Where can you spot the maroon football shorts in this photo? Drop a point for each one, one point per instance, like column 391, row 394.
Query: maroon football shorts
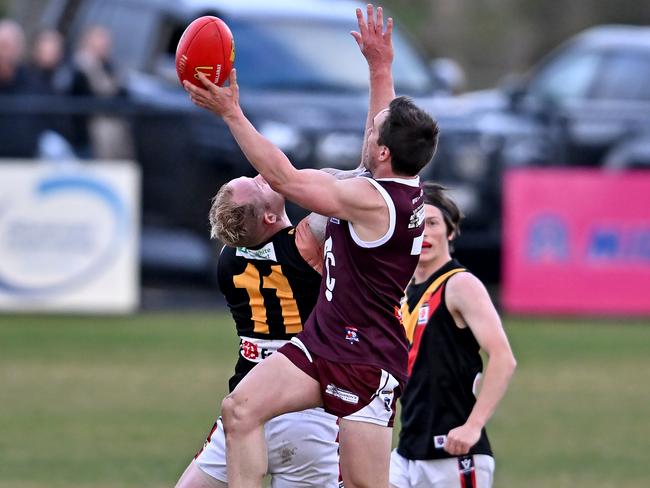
column 359, row 392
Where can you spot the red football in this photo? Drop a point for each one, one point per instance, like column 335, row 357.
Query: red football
column 205, row 47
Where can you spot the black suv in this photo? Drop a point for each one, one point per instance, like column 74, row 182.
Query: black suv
column 586, row 104
column 589, row 101
column 303, row 85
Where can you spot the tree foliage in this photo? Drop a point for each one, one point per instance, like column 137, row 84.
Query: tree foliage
column 491, row 38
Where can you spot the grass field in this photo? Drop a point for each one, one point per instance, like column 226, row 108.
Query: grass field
column 125, row 402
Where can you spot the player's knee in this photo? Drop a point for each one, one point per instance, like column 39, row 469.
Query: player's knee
column 236, row 415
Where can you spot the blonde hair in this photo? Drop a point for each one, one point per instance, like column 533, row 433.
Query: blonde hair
column 232, row 223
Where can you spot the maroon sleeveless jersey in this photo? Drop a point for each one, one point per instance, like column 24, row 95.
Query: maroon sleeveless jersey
column 356, row 319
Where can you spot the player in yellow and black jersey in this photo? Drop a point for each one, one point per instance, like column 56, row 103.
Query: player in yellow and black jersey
column 269, row 273
column 270, row 290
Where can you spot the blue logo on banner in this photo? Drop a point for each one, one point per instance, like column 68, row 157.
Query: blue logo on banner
column 548, row 240
column 611, row 244
column 79, row 246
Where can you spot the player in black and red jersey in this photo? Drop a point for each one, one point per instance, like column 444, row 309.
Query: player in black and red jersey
column 351, row 358
column 449, row 317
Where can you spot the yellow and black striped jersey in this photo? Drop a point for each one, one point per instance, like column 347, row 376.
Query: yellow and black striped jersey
column 270, row 289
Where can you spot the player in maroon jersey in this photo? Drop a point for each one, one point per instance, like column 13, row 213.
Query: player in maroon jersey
column 449, row 318
column 351, row 358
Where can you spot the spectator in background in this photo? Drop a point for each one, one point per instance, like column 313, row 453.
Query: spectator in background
column 100, row 136
column 49, row 78
column 47, row 62
column 18, row 131
column 12, row 48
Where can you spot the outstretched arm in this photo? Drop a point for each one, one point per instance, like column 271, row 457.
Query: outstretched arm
column 355, row 200
column 469, row 302
column 376, row 45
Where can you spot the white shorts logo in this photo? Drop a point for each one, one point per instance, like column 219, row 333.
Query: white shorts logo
column 346, row 396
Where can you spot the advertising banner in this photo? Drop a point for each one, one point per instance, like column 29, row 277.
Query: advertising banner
column 576, row 241
column 69, row 237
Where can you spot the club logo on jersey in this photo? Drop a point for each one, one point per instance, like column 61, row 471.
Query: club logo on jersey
column 252, row 352
column 266, row 253
column 417, row 217
column 249, row 351
column 346, row 396
column 423, row 314
column 439, row 441
column 351, row 335
column 334, row 220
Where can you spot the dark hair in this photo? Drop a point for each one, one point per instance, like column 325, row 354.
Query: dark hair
column 411, row 135
column 436, row 195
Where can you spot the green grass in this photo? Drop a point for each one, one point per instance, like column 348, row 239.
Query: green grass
column 125, row 402
column 110, row 402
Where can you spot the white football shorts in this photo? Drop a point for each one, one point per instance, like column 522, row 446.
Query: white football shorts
column 458, row 472
column 302, row 450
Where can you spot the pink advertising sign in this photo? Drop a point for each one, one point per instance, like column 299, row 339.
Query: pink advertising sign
column 577, row 242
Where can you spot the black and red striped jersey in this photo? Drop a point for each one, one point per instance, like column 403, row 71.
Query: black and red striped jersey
column 444, row 368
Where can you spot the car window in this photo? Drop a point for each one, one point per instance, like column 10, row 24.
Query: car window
column 568, row 77
column 289, row 54
column 315, row 55
column 625, row 76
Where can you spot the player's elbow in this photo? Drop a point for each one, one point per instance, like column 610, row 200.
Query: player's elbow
column 509, row 364
column 282, row 180
column 505, row 361
column 277, row 180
